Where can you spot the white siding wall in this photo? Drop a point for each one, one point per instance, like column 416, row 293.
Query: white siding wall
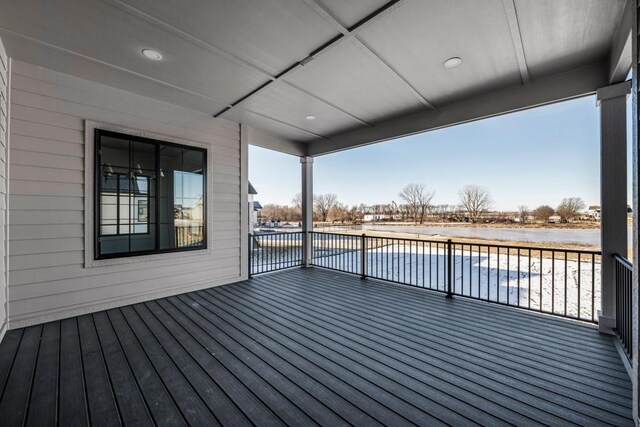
column 4, row 129
column 47, row 276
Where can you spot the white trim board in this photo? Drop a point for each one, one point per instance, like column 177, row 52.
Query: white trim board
column 89, row 181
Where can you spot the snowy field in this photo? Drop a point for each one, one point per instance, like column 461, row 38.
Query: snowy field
column 565, row 287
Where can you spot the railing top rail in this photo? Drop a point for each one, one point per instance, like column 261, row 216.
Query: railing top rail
column 278, row 233
column 338, row 234
column 455, row 242
column 622, row 260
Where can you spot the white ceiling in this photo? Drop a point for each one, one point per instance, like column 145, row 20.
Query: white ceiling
column 365, row 61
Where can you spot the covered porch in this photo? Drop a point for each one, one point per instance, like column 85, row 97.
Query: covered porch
column 313, row 347
column 126, row 298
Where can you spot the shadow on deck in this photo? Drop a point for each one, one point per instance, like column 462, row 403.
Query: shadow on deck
column 311, row 346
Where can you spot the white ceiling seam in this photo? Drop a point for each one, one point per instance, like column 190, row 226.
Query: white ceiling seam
column 330, row 104
column 321, row 9
column 516, row 36
column 288, row 124
column 323, row 49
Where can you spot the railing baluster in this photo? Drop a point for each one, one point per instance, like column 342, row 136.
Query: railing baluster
column 470, row 270
column 479, row 275
column 498, row 274
column 593, row 289
column 579, row 288
column 529, row 285
column 508, row 276
column 449, row 268
column 363, row 255
column 623, row 282
column 541, row 274
column 553, row 281
column 488, row 273
column 518, row 282
column 566, row 297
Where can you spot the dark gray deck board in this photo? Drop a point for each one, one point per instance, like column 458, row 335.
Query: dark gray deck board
column 13, row 406
column 312, row 347
column 72, row 398
column 43, row 403
column 103, row 409
column 9, row 347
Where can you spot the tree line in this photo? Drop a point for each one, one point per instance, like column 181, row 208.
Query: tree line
column 474, row 205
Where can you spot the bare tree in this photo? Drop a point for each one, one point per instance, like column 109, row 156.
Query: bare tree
column 339, row 212
column 418, row 200
column 297, row 200
column 570, row 208
column 523, row 213
column 323, row 203
column 475, row 200
column 274, row 212
column 543, row 213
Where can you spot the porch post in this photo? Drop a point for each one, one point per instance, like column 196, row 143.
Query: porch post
column 613, row 193
column 306, row 163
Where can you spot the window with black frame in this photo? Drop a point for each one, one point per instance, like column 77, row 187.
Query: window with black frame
column 150, row 196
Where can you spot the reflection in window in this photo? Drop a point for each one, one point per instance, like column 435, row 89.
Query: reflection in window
column 181, row 198
column 130, row 172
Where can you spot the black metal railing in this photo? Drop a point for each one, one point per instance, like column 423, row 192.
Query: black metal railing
column 624, row 307
column 561, row 282
column 274, row 251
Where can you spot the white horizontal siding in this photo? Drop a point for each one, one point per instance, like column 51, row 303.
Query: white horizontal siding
column 47, row 274
column 4, row 138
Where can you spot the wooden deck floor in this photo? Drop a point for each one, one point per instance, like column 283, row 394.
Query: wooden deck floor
column 306, row 347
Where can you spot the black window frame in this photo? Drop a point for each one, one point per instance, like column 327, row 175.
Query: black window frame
column 98, row 134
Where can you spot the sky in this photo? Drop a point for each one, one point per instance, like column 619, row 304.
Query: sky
column 533, row 157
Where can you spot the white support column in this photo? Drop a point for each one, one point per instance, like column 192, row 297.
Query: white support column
column 613, row 193
column 306, row 163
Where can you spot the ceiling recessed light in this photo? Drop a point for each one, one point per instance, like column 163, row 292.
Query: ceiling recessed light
column 310, row 117
column 452, row 62
column 152, row 54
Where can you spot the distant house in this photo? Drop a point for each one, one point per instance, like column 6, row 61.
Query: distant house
column 555, row 219
column 254, row 208
column 594, row 211
column 375, row 217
